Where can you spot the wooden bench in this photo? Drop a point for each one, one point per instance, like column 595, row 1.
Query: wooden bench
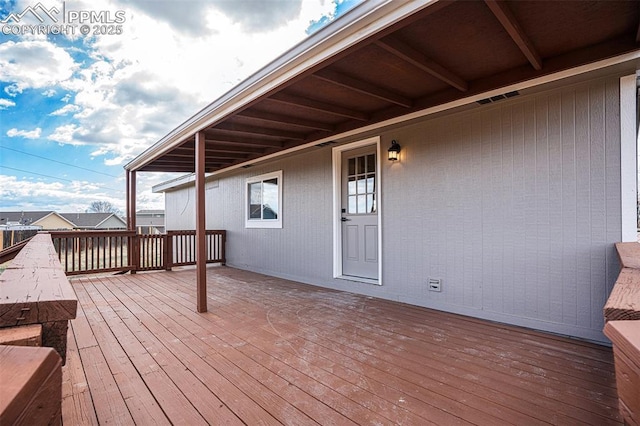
column 625, row 336
column 31, row 386
column 24, row 335
column 622, row 316
column 35, row 290
column 624, row 300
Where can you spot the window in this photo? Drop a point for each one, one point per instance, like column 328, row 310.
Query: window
column 264, row 201
column 361, row 184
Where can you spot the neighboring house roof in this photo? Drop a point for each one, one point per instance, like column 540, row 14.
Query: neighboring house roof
column 29, row 217
column 74, row 220
column 91, row 220
column 24, row 217
column 387, row 61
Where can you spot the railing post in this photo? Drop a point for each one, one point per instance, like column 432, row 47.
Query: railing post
column 223, row 255
column 134, row 255
column 168, row 251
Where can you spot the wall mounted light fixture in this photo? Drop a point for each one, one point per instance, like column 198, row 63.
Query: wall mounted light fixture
column 394, row 151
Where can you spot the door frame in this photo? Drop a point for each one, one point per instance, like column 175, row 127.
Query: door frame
column 337, row 206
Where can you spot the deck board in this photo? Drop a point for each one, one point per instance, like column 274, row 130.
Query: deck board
column 272, row 351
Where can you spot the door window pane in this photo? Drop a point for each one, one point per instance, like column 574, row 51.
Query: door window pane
column 362, row 203
column 351, row 186
column 352, row 204
column 361, row 184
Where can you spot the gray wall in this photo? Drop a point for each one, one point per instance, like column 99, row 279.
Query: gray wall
column 515, row 206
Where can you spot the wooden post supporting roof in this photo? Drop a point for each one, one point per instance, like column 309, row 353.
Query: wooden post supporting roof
column 201, row 246
column 131, row 200
column 131, row 220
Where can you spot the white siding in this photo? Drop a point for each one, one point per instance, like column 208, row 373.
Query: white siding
column 515, row 206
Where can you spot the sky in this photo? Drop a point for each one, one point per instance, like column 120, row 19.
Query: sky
column 85, row 86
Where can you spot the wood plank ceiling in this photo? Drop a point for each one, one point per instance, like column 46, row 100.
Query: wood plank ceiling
column 447, row 51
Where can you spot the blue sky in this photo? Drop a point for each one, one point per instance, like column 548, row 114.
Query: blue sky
column 74, row 109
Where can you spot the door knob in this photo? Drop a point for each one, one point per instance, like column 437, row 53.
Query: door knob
column 344, row 219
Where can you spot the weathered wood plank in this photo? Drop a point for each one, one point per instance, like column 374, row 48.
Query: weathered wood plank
column 31, row 385
column 400, row 350
column 256, row 381
column 35, row 290
column 625, row 336
column 141, row 403
column 324, row 313
column 629, row 254
column 77, row 405
column 184, row 398
column 289, row 353
column 624, row 301
column 26, row 335
column 219, row 384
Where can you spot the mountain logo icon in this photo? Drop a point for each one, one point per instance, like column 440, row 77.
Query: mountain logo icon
column 38, row 11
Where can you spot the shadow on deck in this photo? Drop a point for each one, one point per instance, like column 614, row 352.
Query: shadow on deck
column 272, row 351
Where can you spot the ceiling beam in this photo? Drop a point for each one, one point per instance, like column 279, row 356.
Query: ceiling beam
column 209, row 154
column 416, row 58
column 318, row 106
column 259, row 131
column 222, row 137
column 151, row 168
column 284, row 119
column 363, row 87
column 502, row 12
column 214, row 147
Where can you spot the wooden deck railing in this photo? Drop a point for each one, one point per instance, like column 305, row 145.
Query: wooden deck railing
column 622, row 313
column 35, row 290
column 90, row 252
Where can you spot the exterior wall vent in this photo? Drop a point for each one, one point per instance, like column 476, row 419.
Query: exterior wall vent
column 498, row 98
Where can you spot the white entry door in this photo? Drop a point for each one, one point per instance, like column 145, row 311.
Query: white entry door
column 359, row 218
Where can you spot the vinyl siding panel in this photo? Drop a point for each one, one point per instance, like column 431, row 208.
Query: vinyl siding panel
column 515, row 206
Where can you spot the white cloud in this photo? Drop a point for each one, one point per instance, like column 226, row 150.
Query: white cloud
column 27, row 134
column 34, row 64
column 6, row 103
column 13, row 90
column 66, row 134
column 124, row 92
column 67, row 109
column 130, row 96
column 37, row 194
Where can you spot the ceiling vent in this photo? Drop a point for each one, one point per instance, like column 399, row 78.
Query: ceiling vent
column 498, row 98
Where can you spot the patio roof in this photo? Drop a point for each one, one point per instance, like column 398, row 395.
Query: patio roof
column 390, row 59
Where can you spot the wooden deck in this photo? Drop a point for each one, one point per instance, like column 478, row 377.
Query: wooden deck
column 271, row 351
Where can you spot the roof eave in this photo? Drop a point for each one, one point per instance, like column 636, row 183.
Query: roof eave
column 363, row 21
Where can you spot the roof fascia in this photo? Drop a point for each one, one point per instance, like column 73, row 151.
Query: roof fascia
column 363, row 21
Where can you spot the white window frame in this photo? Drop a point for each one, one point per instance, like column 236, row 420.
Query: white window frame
column 628, row 158
column 263, row 223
